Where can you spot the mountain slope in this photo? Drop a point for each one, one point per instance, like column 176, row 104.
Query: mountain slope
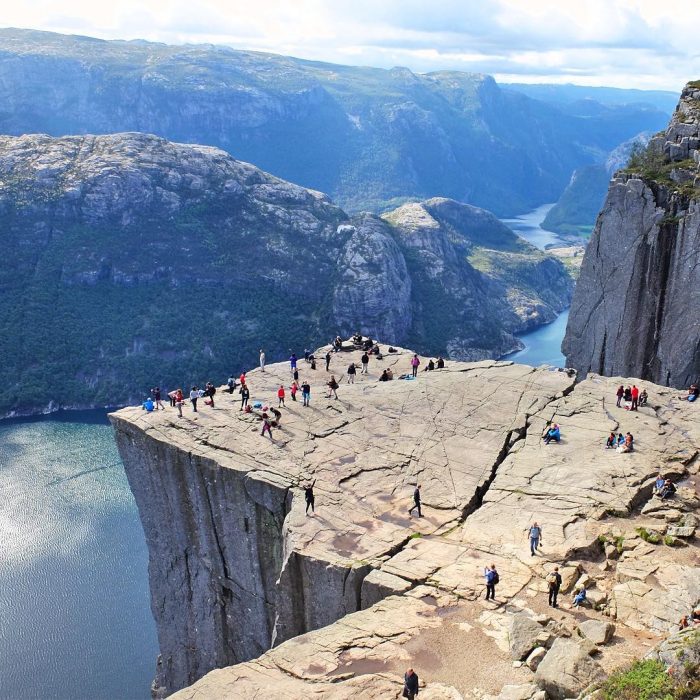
column 636, row 309
column 370, row 138
column 131, row 261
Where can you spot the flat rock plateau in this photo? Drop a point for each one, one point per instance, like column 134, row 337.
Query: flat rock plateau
column 337, row 605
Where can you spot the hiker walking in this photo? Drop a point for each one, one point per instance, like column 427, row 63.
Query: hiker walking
column 266, row 425
column 416, row 502
column 262, row 359
column 351, row 373
column 553, row 586
column 535, row 535
column 491, row 576
column 333, row 387
column 365, row 362
column 310, row 498
column 245, row 395
column 306, row 393
column 410, row 684
column 414, row 365
column 328, row 361
column 280, row 396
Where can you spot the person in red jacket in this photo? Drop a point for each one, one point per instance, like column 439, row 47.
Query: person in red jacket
column 635, row 398
column 280, row 395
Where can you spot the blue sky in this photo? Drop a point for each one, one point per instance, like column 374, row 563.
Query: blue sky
column 624, row 43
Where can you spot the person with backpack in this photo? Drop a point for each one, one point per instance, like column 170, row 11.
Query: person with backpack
column 231, row 383
column 306, row 393
column 416, row 502
column 280, row 396
column 492, row 579
column 365, row 362
column 245, row 395
column 351, row 373
column 535, row 535
column 410, row 684
column 553, row 586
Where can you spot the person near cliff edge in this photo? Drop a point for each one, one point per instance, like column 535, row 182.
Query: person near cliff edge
column 328, row 361
column 179, row 401
column 157, row 398
column 491, row 576
column 635, row 398
column 365, row 362
column 262, row 360
column 310, row 498
column 292, row 363
column 620, row 393
column 535, row 535
column 414, row 365
column 553, row 586
column 195, row 393
column 410, row 684
column 245, row 395
column 267, row 426
column 148, row 405
column 351, row 373
column 416, row 502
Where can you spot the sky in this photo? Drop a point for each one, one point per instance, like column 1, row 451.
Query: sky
column 648, row 44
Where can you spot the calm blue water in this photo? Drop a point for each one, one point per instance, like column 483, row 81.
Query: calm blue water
column 75, row 620
column 542, row 346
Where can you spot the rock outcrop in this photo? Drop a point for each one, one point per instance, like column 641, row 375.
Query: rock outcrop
column 361, row 589
column 636, row 309
column 130, row 261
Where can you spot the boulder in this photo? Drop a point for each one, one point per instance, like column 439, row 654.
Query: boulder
column 377, row 585
column 523, row 636
column 680, row 531
column 596, row 598
column 598, row 631
column 536, row 656
column 566, row 670
column 524, row 691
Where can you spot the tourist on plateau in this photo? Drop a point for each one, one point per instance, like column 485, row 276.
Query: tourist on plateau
column 365, row 362
column 416, row 502
column 491, row 576
column 262, row 359
column 414, row 365
column 553, row 586
column 351, row 373
column 306, row 393
column 267, row 427
column 280, row 396
column 410, row 684
column 195, row 393
column 535, row 535
column 310, row 498
column 620, row 393
column 157, row 398
column 332, row 387
column 245, row 395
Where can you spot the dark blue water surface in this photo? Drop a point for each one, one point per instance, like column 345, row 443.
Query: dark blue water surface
column 75, row 620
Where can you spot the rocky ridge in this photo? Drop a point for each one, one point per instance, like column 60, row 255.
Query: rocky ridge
column 362, row 590
column 635, row 310
column 148, row 262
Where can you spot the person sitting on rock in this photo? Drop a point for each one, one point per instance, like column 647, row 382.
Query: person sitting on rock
column 695, row 616
column 620, row 439
column 440, row 363
column 390, row 373
column 643, row 397
column 579, row 597
column 384, row 377
column 611, row 441
column 693, row 393
column 552, row 434
column 668, row 489
column 368, row 344
column 357, row 339
column 627, row 444
column 148, row 405
column 659, row 484
column 429, row 367
column 683, row 622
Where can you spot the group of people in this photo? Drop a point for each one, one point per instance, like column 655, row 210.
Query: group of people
column 632, row 397
column 621, row 443
column 664, row 488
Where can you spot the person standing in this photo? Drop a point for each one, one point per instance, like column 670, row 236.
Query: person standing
column 310, row 498
column 157, row 398
column 293, row 390
column 280, row 396
column 262, row 359
column 328, row 361
column 293, row 363
column 553, row 585
column 231, row 383
column 195, row 393
column 351, row 373
column 491, row 576
column 410, row 684
column 414, row 365
column 306, row 393
column 416, row 502
column 620, row 393
column 179, row 401
column 365, row 362
column 535, row 535
column 635, row 398
column 333, row 387
column 245, row 395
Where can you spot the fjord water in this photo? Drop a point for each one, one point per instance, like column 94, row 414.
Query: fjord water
column 543, row 345
column 75, row 620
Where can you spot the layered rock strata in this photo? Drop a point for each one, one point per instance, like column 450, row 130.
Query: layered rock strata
column 236, row 566
column 636, row 310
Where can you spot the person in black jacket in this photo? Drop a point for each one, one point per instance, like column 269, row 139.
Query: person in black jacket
column 416, row 502
column 553, row 585
column 309, row 497
column 410, row 684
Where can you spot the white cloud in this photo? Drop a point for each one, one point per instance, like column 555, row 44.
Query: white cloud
column 626, row 43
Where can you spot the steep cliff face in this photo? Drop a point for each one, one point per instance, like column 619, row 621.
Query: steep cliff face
column 636, row 309
column 365, row 136
column 130, row 261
